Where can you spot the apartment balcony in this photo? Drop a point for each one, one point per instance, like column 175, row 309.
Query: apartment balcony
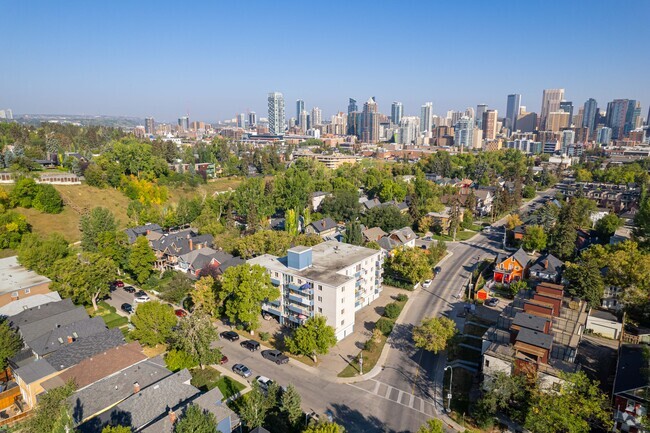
column 298, row 310
column 276, row 282
column 305, row 289
column 300, row 300
column 298, row 319
column 271, row 310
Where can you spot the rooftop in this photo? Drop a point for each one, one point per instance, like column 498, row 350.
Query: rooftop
column 31, row 331
column 632, row 360
column 20, row 305
column 535, row 338
column 13, row 276
column 35, row 370
column 56, row 338
column 530, row 321
column 83, row 348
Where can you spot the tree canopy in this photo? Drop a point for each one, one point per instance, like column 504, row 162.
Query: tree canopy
column 153, row 323
column 314, row 337
column 434, row 333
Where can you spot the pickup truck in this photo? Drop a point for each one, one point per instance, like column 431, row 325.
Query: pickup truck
column 275, row 356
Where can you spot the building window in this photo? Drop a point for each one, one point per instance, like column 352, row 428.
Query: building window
column 487, row 362
column 342, row 300
column 320, row 299
column 320, row 310
column 358, row 267
column 14, row 294
column 27, row 291
column 343, row 311
column 320, row 287
column 342, row 322
column 299, row 281
column 342, row 289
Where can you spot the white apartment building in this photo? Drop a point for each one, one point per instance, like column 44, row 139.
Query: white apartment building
column 331, row 279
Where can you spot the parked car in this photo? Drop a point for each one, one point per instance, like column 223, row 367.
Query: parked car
column 229, row 335
column 437, row 270
column 127, row 308
column 275, row 356
column 180, row 312
column 129, row 289
column 251, row 345
column 118, row 283
column 223, row 360
column 264, row 382
column 428, row 238
column 140, row 293
column 141, row 299
column 242, row 370
column 427, row 284
column 492, row 302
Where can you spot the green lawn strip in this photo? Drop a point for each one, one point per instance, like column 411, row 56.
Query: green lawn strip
column 229, row 387
column 370, row 357
column 460, row 236
column 205, row 379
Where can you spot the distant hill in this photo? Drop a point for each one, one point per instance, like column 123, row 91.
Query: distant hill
column 82, row 120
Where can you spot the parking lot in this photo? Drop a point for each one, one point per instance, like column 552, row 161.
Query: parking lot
column 118, row 297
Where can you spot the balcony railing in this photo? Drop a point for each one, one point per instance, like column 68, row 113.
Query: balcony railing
column 276, row 282
column 298, row 310
column 300, row 300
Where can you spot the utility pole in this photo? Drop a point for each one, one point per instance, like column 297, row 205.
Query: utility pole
column 451, row 379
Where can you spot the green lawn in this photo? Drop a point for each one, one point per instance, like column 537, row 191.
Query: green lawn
column 229, row 387
column 209, row 378
column 109, row 314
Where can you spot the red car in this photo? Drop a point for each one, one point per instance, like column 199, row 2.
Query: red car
column 180, row 312
column 223, row 360
column 118, row 283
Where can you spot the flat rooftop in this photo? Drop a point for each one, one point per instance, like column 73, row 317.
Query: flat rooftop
column 535, row 338
column 530, row 321
column 14, row 277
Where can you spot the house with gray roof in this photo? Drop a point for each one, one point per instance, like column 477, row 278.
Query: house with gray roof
column 323, row 227
column 20, row 305
column 57, row 338
column 171, row 246
column 86, row 347
column 196, row 260
column 631, row 387
column 144, row 230
column 547, row 267
column 31, row 329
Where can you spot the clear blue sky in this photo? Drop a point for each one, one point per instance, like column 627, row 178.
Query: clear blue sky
column 217, row 58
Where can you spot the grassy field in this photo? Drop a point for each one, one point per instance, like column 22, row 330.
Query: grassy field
column 207, row 190
column 460, row 236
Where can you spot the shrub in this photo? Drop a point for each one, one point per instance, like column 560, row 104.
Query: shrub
column 384, row 325
column 265, row 336
column 392, row 310
column 369, row 345
column 48, row 200
column 402, row 297
column 177, row 360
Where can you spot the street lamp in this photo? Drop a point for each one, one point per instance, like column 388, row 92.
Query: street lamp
column 361, row 363
column 451, row 379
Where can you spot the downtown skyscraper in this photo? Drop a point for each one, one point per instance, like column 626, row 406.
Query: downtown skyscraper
column 276, row 113
column 480, row 109
column 352, row 106
column 396, row 112
column 620, row 117
column 589, row 113
column 464, row 132
column 316, row 117
column 551, row 99
column 512, row 111
column 370, row 122
column 149, row 125
column 426, row 117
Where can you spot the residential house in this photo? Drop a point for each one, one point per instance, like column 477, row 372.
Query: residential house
column 317, row 198
column 197, row 260
column 19, row 305
column 171, row 246
column 404, row 237
column 443, row 218
column 519, row 232
column 144, row 230
column 546, row 267
column 324, row 227
column 369, row 204
column 511, row 268
column 537, row 334
column 631, row 388
column 17, row 282
column 484, row 200
column 373, row 234
column 402, row 206
column 617, row 198
column 604, row 323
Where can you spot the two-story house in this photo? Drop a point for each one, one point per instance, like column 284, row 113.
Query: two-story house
column 511, row 268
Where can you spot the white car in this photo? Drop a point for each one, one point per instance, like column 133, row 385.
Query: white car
column 141, row 299
column 264, row 382
column 427, row 284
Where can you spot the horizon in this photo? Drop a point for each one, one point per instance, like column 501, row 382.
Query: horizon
column 215, row 61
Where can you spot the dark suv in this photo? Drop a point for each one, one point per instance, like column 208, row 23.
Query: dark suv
column 229, row 335
column 275, row 356
column 250, row 345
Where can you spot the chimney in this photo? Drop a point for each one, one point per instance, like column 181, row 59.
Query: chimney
column 191, row 245
column 546, row 264
column 172, row 416
column 70, row 339
column 136, row 387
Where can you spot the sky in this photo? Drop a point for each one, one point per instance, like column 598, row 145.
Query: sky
column 214, row 59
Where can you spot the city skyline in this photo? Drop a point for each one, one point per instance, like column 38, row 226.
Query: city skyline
column 96, row 62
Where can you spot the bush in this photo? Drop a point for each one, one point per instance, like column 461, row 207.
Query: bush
column 402, row 297
column 48, row 200
column 177, row 360
column 385, row 325
column 392, row 310
column 265, row 336
column 389, row 281
column 369, row 345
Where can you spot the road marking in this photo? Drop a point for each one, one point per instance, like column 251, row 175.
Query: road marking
column 417, row 404
column 374, row 391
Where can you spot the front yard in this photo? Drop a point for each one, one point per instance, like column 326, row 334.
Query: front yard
column 209, row 378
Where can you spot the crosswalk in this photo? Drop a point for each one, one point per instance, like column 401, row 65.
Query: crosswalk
column 397, row 396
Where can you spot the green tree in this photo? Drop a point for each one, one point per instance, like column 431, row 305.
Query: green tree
column 10, row 342
column 92, row 224
column 116, row 429
column 177, row 360
column 48, row 200
column 196, row 420
column 12, row 228
column 434, row 333
column 579, row 407
column 509, row 394
column 194, row 335
column 85, row 278
column 341, row 206
column 517, row 286
column 254, row 408
column 52, row 414
column 607, row 226
column 252, row 200
column 24, row 192
column 585, row 282
column 153, row 323
column 431, row 426
column 141, row 259
column 353, row 233
column 468, row 219
column 513, row 220
column 409, row 264
column 641, row 231
column 204, row 297
column 534, row 238
column 38, row 254
column 529, row 191
column 292, row 190
column 324, row 427
column 314, row 337
column 291, row 222
column 175, row 287
column 290, row 405
column 115, row 246
column 242, row 290
column 388, row 218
